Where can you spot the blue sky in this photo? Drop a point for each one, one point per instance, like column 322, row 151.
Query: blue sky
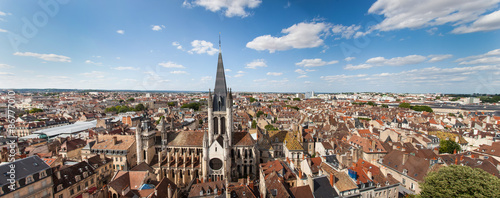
column 427, row 46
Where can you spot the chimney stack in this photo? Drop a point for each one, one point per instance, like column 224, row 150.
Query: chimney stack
column 332, row 179
column 405, row 158
column 169, row 191
column 115, row 140
column 369, row 174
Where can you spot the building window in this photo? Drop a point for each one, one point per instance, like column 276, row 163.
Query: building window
column 87, row 184
column 78, row 188
column 29, row 179
column 60, row 196
column 404, row 181
column 72, row 192
column 92, row 181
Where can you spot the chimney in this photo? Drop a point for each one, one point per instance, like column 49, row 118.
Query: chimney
column 332, row 179
column 300, row 173
column 103, row 157
column 373, row 144
column 461, row 158
column 436, row 151
column 369, row 174
column 455, row 151
column 169, row 191
column 114, row 140
column 456, row 160
column 405, row 158
column 58, row 174
column 248, row 180
column 472, row 156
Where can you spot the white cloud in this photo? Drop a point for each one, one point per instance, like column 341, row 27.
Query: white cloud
column 230, row 8
column 401, row 14
column 437, row 58
column 241, row 72
column 256, row 63
column 177, row 44
column 260, row 80
column 238, row 75
column 484, row 23
column 435, row 76
column 314, row 62
column 310, row 70
column 206, row 78
column 343, row 77
column 93, row 74
column 93, row 63
column 490, row 57
column 274, row 73
column 484, row 60
column 6, row 74
column 202, row 47
column 284, row 80
column 171, row 64
column 47, row 57
column 178, row 72
column 432, row 30
column 307, row 82
column 3, row 13
column 120, row 31
column 303, row 76
column 355, row 67
column 397, row 61
column 347, row 32
column 157, row 27
column 302, row 35
column 300, row 71
column 125, row 68
column 227, row 70
column 5, row 66
column 349, row 59
column 2, row 30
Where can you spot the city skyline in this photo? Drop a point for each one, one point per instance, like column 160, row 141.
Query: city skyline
column 336, row 46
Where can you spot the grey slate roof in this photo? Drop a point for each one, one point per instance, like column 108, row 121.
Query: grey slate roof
column 322, row 188
column 220, row 91
column 24, row 167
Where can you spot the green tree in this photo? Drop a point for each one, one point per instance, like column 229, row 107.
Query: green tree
column 254, row 124
column 270, row 127
column 131, row 99
column 259, row 113
column 252, row 99
column 448, row 146
column 200, row 122
column 35, row 110
column 460, row 181
column 193, row 105
column 139, row 107
column 372, row 103
column 385, row 106
column 171, row 104
column 296, row 99
column 451, row 114
column 405, row 105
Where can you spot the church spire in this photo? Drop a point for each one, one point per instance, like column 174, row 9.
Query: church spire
column 220, row 91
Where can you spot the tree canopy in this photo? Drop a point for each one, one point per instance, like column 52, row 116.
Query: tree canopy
column 252, row 99
column 193, row 105
column 35, row 110
column 270, row 127
column 460, row 181
column 259, row 113
column 448, row 146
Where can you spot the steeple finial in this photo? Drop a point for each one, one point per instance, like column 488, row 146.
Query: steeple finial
column 219, row 42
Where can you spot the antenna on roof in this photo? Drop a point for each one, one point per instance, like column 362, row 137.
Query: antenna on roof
column 219, row 42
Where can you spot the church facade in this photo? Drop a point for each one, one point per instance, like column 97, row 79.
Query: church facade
column 216, row 154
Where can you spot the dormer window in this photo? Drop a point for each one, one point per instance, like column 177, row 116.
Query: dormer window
column 77, row 178
column 405, row 171
column 59, row 187
column 29, row 179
